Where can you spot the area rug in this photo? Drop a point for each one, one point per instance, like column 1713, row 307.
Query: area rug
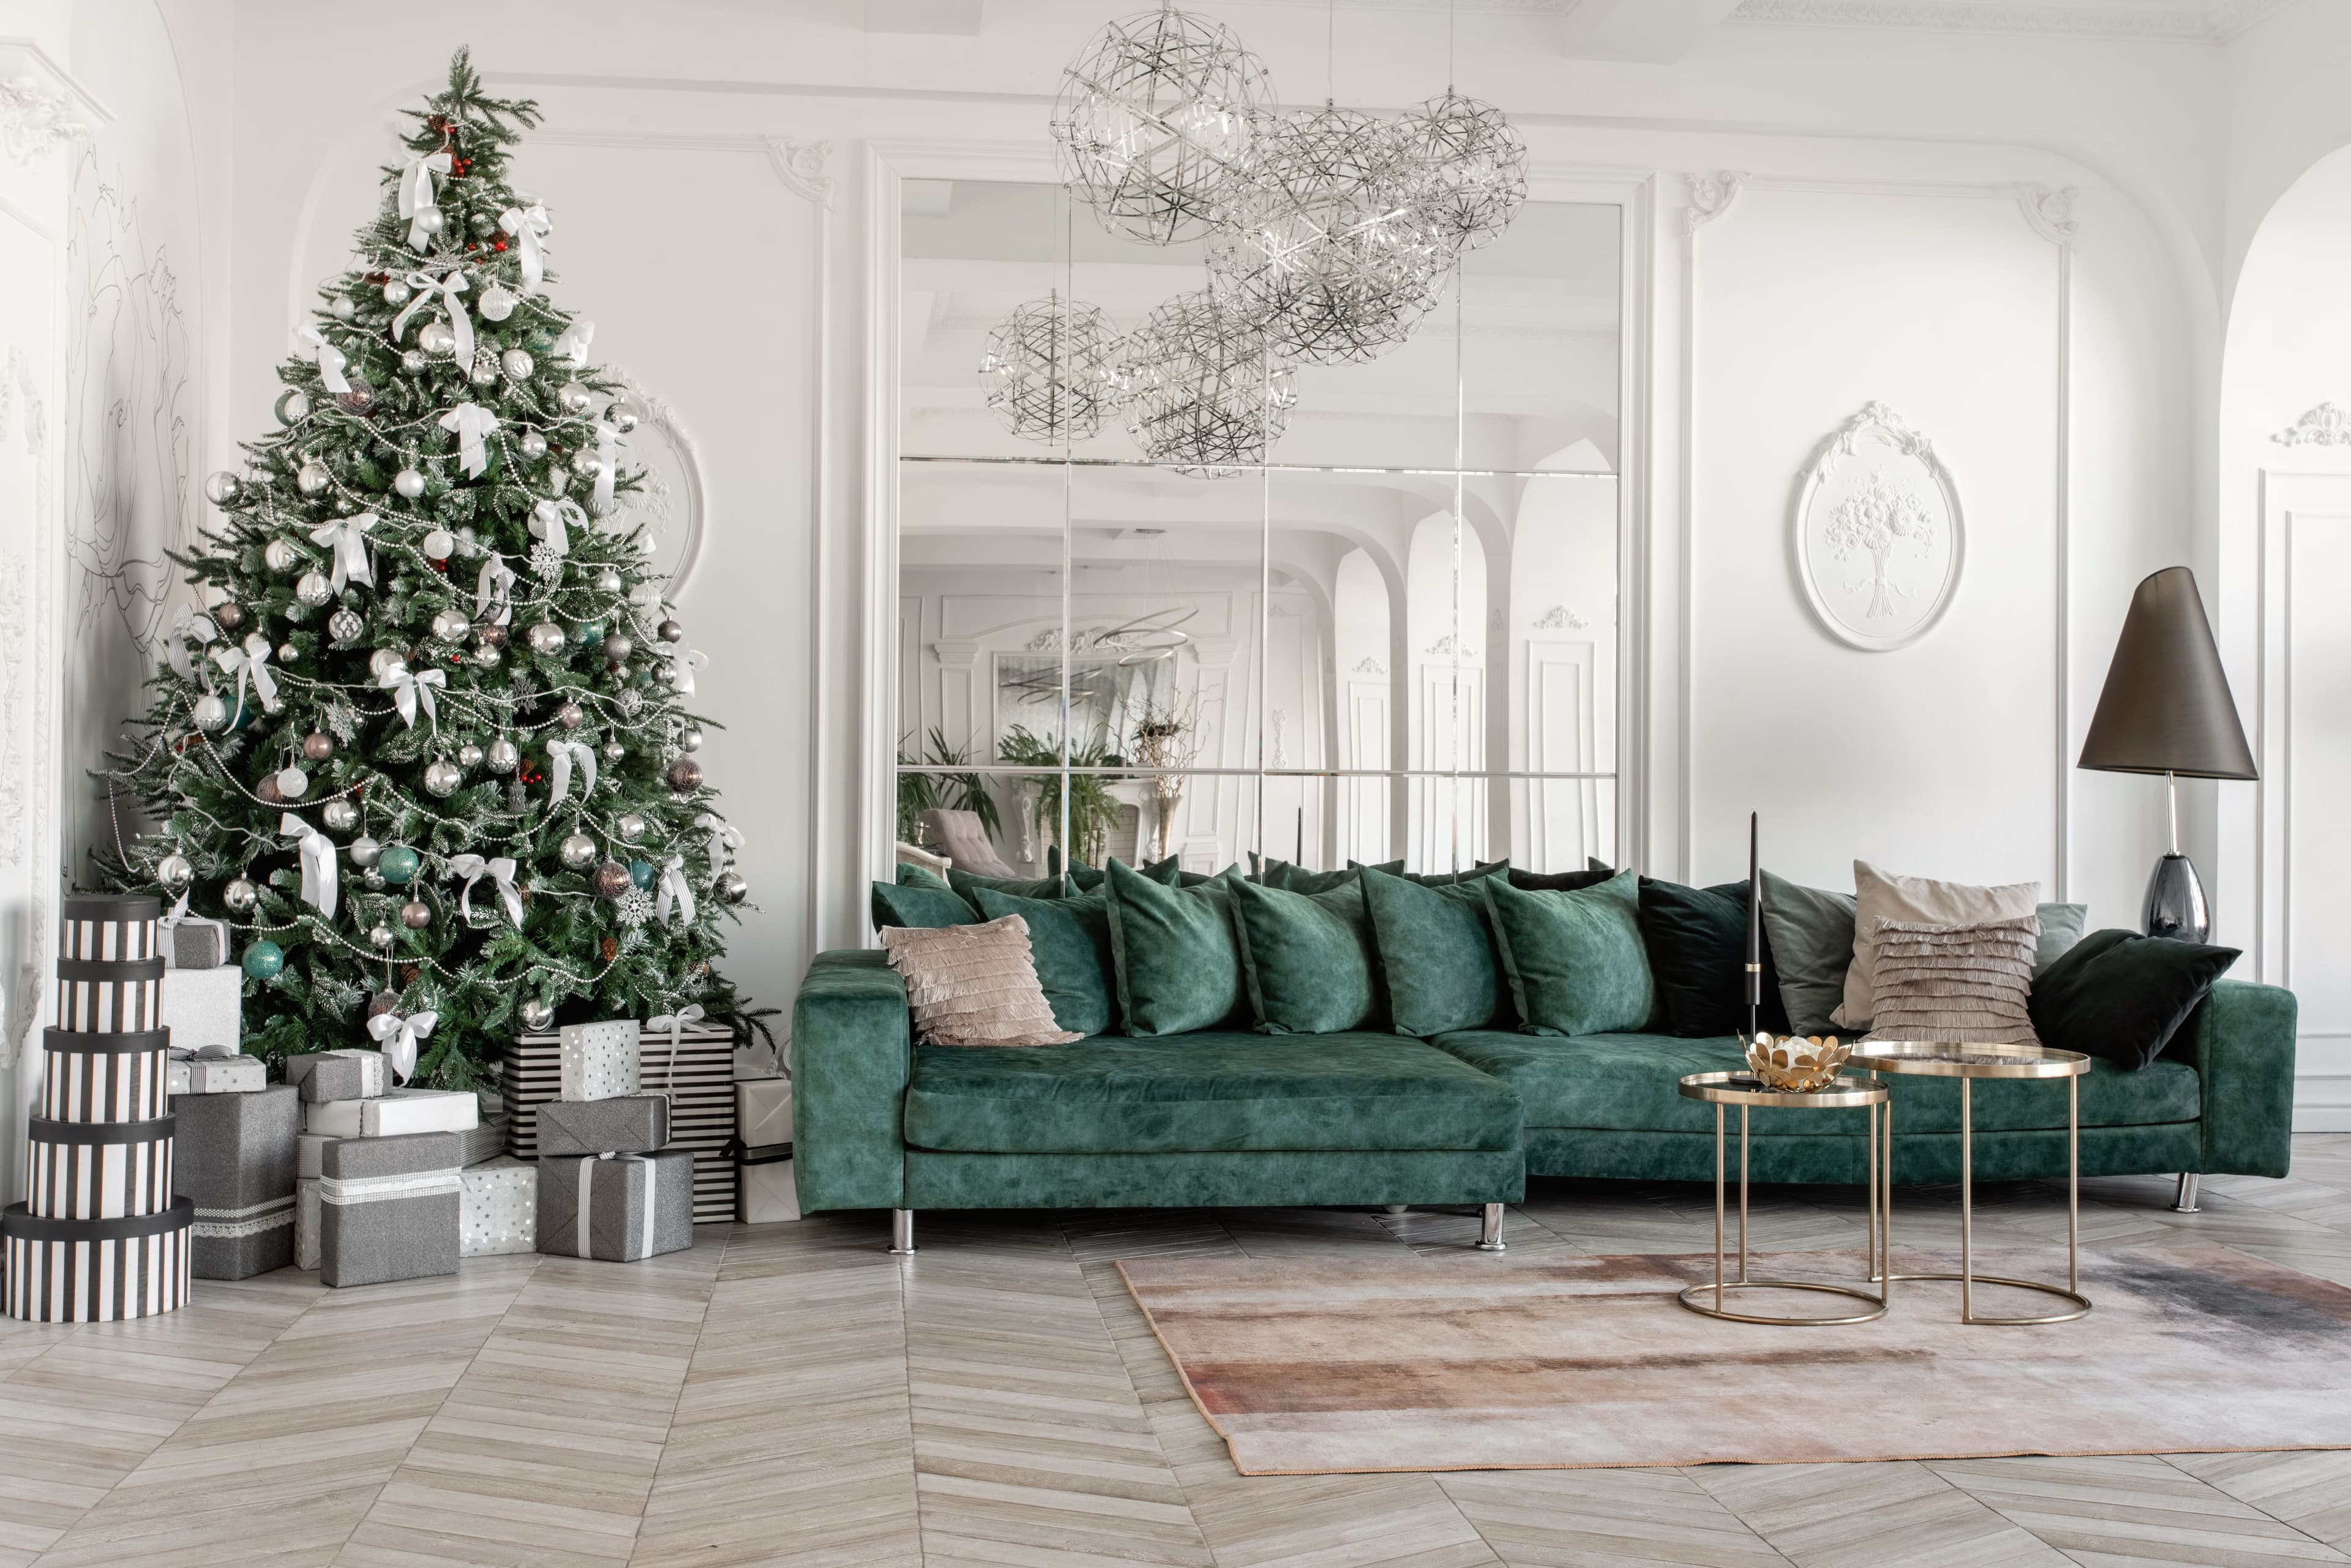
column 1470, row 1362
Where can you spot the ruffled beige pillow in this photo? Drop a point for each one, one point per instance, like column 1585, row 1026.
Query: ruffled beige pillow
column 974, row 985
column 1918, row 901
column 1959, row 984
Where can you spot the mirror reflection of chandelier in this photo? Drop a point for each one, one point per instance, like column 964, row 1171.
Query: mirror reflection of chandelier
column 1047, row 369
column 1200, row 388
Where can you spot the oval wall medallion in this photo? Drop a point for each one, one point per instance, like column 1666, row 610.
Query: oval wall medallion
column 669, row 505
column 1878, row 537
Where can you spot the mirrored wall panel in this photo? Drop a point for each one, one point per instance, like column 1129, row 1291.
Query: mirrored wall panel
column 1162, row 594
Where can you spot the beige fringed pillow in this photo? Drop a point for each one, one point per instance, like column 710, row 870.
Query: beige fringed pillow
column 1956, row 983
column 1880, row 896
column 974, row 985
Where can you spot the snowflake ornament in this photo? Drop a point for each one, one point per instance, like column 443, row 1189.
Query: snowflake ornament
column 634, row 907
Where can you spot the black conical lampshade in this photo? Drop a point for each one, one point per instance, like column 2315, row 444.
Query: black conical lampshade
column 2166, row 708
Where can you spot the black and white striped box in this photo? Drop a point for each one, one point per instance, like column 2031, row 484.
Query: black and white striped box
column 109, row 928
column 105, row 1077
column 700, row 1094
column 98, row 1170
column 96, row 1270
column 110, row 997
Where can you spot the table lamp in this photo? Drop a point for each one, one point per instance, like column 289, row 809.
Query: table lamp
column 2166, row 709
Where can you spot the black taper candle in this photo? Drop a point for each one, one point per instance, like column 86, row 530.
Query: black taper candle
column 1754, row 926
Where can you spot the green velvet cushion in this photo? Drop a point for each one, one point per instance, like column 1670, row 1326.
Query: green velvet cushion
column 1697, row 943
column 920, row 876
column 1628, row 1082
column 1083, row 877
column 1436, row 947
column 2121, row 995
column 1574, row 960
column 1178, row 962
column 1450, row 878
column 1386, row 868
column 1210, row 1091
column 1593, row 873
column 2061, row 927
column 1308, row 958
column 1069, row 939
column 1811, row 937
column 967, row 883
column 919, row 908
column 1268, row 872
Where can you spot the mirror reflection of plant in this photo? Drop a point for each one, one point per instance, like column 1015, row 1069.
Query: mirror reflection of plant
column 921, row 793
column 1093, row 808
column 1167, row 736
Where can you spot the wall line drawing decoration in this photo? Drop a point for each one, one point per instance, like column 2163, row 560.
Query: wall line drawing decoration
column 1877, row 533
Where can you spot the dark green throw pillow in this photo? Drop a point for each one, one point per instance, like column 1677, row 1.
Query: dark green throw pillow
column 1178, row 961
column 1593, row 874
column 1085, row 878
column 969, row 883
column 1810, row 933
column 1574, row 960
column 2122, row 996
column 920, row 908
column 1449, row 878
column 1268, row 872
column 1438, row 965
column 1696, row 941
column 2061, row 927
column 1069, row 940
column 1308, row 958
column 921, row 877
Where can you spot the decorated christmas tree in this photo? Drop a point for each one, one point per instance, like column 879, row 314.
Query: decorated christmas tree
column 427, row 751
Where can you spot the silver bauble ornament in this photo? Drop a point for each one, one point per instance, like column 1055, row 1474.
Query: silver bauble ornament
column 503, row 756
column 280, row 555
column 339, row 815
column 416, row 915
column 488, row 656
column 318, row 745
column 629, row 826
column 429, row 220
column 614, row 751
column 345, row 625
column 732, row 889
column 451, row 624
column 537, row 1015
column 588, row 465
column 267, row 792
column 312, row 478
column 383, row 659
column 646, row 595
column 546, row 637
column 211, row 713
column 690, row 738
column 413, row 360
column 221, row 488
column 574, row 398
column 228, row 615
column 484, row 372
column 624, row 417
column 396, row 292
column 670, row 632
column 174, row 873
column 240, row 896
column 498, row 304
column 293, row 406
column 383, row 1002
column 610, row 880
column 469, row 755
column 359, row 398
column 379, row 937
column 517, row 364
column 685, row 775
column 314, row 589
column 531, row 445
column 607, row 581
column 442, row 776
column 286, row 652
column 619, row 646
column 363, row 851
column 578, row 851
column 571, row 716
column 408, row 483
column 438, row 545
column 293, row 783
column 436, row 339
column 343, row 309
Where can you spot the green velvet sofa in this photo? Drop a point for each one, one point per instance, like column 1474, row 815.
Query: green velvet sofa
column 1242, row 1119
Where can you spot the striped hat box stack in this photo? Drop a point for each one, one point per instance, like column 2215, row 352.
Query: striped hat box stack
column 102, row 1235
column 701, row 1102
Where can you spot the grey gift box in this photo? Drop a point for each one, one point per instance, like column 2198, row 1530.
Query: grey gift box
column 611, row 1200
column 630, row 1124
column 349, row 1074
column 235, row 1157
column 387, row 1208
column 193, row 943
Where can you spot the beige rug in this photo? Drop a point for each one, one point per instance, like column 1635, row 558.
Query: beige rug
column 1471, row 1363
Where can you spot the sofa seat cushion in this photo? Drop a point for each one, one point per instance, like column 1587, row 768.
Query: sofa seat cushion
column 1625, row 1082
column 1206, row 1093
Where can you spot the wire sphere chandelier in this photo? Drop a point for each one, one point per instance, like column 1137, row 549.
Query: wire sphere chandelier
column 1155, row 121
column 1201, row 389
column 1472, row 168
column 1047, row 370
column 1327, row 246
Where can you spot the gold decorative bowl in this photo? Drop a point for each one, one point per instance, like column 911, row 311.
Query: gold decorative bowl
column 1796, row 1063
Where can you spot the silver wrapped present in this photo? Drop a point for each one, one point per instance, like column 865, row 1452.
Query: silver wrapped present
column 193, row 942
column 633, row 1124
column 236, row 1156
column 598, row 1061
column 306, row 1223
column 203, row 1009
column 388, row 1208
column 308, row 1150
column 497, row 1208
column 400, row 1111
column 346, row 1074
column 217, row 1074
column 616, row 1207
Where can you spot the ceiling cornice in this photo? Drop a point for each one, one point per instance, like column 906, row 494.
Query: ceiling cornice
column 2212, row 21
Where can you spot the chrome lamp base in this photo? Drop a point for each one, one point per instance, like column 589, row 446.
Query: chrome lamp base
column 2175, row 904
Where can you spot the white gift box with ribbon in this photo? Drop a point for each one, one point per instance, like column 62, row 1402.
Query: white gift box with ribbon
column 401, row 1111
column 600, row 1061
column 203, row 1008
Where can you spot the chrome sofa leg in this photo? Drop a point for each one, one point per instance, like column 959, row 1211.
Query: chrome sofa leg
column 2185, row 1203
column 902, row 1233
column 1489, row 1229
column 1395, row 1208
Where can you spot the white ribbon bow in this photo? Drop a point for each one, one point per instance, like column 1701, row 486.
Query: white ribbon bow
column 347, row 536
column 608, row 468
column 587, row 1187
column 409, row 687
column 446, row 290
column 398, row 1034
column 321, row 886
column 501, row 871
column 573, row 344
column 416, row 194
column 250, row 661
column 683, row 663
column 552, row 520
column 560, row 755
column 676, row 1023
column 672, row 882
column 496, row 586
column 187, row 623
column 725, row 838
column 530, row 227
column 473, row 425
column 330, row 359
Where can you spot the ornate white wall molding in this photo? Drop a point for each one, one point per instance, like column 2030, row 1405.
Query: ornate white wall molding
column 800, row 165
column 1558, row 618
column 2326, row 425
column 1710, row 196
column 2050, row 211
column 34, row 119
column 1367, row 665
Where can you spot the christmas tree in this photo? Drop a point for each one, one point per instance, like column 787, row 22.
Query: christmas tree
column 427, row 751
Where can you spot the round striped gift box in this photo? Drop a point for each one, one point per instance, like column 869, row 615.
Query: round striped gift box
column 106, row 1077
column 99, row 928
column 108, row 996
column 98, row 1170
column 96, row 1270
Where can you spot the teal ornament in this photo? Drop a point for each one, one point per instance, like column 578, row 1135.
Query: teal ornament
column 587, row 632
column 397, row 865
column 264, row 961
column 641, row 872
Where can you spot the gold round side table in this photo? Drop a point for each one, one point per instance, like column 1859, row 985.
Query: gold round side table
column 1967, row 1062
column 1744, row 1090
